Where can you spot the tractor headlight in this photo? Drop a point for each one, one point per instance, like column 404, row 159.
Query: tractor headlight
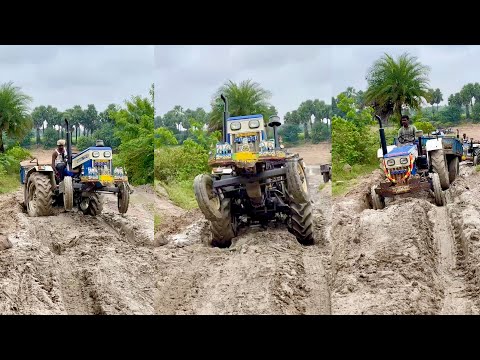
column 390, row 162
column 254, row 124
column 96, row 154
column 404, row 161
column 235, row 126
column 107, row 153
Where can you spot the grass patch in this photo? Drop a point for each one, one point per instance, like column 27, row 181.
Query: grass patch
column 477, row 168
column 182, row 194
column 322, row 185
column 342, row 181
column 157, row 221
column 9, row 183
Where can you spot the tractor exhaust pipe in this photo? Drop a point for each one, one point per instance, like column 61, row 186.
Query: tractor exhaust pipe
column 69, row 146
column 383, row 141
column 225, row 117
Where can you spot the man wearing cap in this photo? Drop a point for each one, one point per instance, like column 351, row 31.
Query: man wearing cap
column 59, row 159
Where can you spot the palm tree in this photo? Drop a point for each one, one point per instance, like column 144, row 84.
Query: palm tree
column 438, row 97
column 39, row 115
column 430, row 98
column 394, row 84
column 245, row 98
column 14, row 114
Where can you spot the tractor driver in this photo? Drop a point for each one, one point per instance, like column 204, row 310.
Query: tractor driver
column 59, row 161
column 406, row 134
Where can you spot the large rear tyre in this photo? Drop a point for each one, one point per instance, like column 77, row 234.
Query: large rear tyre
column 297, row 182
column 95, row 205
column 208, row 201
column 300, row 223
column 223, row 229
column 378, row 202
column 453, row 169
column 439, row 166
column 123, row 198
column 39, row 193
column 68, row 193
column 437, row 190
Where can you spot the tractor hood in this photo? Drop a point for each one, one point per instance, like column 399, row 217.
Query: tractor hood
column 402, row 151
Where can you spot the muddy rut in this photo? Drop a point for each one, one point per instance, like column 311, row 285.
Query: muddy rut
column 265, row 271
column 411, row 257
column 70, row 263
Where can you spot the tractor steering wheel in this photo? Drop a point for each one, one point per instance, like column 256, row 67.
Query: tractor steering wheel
column 406, row 138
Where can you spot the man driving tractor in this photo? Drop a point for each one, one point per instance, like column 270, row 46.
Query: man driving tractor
column 406, row 134
column 59, row 161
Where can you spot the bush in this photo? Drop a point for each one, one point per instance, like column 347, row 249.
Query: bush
column 425, row 126
column 106, row 133
column 10, row 160
column 85, row 142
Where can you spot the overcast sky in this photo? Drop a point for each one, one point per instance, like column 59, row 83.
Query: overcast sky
column 189, row 75
column 64, row 76
column 451, row 67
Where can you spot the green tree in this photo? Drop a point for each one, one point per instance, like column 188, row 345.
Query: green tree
column 245, row 98
column 135, row 129
column 476, row 112
column 395, row 84
column 39, row 116
column 164, row 137
column 467, row 94
column 438, row 97
column 430, row 97
column 15, row 120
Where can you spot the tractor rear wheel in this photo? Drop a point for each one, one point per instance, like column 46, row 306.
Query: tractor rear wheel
column 437, row 190
column 223, row 229
column 439, row 166
column 300, row 223
column 208, row 201
column 297, row 182
column 378, row 202
column 123, row 198
column 39, row 194
column 95, row 205
column 68, row 193
column 453, row 169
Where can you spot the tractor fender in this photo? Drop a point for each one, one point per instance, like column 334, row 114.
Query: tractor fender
column 433, row 144
column 47, row 169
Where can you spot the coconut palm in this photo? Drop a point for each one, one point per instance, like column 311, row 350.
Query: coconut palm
column 394, row 84
column 245, row 98
column 15, row 120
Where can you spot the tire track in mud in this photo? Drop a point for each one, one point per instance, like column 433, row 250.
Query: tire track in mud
column 75, row 264
column 406, row 258
column 263, row 272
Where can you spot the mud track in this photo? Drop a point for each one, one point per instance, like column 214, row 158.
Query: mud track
column 265, row 271
column 70, row 263
column 411, row 257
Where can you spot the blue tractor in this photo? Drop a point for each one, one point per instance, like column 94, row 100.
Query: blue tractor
column 77, row 182
column 417, row 163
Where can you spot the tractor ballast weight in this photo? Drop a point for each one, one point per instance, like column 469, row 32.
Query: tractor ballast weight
column 81, row 180
column 421, row 163
column 253, row 181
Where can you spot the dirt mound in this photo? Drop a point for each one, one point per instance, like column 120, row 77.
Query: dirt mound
column 406, row 258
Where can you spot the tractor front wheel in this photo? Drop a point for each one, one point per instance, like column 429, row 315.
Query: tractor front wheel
column 223, row 229
column 95, row 205
column 68, row 193
column 123, row 198
column 378, row 202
